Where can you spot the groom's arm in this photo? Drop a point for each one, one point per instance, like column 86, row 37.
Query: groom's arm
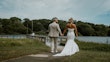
column 58, row 27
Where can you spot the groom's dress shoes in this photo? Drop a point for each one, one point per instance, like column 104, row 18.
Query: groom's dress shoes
column 56, row 51
column 52, row 51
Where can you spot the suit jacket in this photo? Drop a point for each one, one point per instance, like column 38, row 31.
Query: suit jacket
column 54, row 30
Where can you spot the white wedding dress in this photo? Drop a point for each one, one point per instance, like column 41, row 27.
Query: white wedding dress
column 70, row 47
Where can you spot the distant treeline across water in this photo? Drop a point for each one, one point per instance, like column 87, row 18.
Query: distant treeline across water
column 15, row 25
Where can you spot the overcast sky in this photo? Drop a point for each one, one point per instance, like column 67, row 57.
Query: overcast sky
column 94, row 11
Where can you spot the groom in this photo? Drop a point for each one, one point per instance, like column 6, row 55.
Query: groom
column 54, row 31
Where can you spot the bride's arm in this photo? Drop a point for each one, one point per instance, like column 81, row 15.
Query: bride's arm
column 76, row 32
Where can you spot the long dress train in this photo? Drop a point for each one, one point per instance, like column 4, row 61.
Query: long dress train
column 70, row 47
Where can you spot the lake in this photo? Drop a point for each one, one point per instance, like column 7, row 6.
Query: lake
column 97, row 39
column 13, row 36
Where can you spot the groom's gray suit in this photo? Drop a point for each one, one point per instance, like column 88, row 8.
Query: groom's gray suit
column 54, row 31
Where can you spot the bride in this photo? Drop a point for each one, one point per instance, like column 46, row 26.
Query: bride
column 70, row 47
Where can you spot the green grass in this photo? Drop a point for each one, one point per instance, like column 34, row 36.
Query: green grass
column 93, row 46
column 85, row 56
column 89, row 52
column 11, row 48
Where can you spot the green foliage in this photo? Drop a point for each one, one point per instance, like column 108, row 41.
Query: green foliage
column 101, row 30
column 62, row 24
column 108, row 31
column 15, row 25
column 85, row 29
column 90, row 29
column 1, row 29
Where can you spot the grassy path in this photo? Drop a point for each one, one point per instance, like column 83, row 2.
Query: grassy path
column 89, row 52
column 82, row 56
column 11, row 48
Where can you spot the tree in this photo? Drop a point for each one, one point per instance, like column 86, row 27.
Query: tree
column 14, row 25
column 100, row 30
column 108, row 31
column 1, row 29
column 85, row 29
column 45, row 22
column 15, row 20
column 28, row 24
column 39, row 27
column 62, row 24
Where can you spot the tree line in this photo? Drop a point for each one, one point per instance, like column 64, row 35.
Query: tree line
column 15, row 25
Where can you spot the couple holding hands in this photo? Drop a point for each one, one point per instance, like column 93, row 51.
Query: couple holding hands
column 70, row 47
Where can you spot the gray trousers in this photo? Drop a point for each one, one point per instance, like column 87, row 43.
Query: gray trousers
column 53, row 43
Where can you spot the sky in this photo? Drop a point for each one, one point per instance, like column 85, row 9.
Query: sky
column 93, row 11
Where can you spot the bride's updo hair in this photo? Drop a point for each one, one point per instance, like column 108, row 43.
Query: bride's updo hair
column 70, row 20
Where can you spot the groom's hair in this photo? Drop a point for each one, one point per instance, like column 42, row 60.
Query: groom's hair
column 53, row 19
